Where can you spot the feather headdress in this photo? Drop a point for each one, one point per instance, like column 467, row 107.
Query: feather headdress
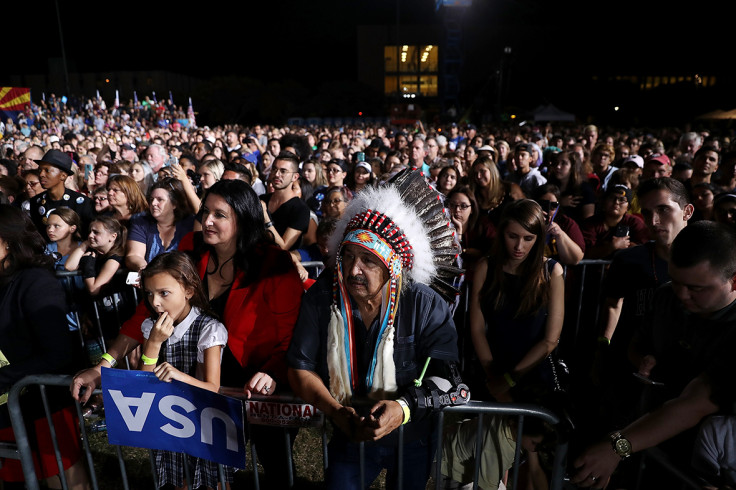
column 409, row 215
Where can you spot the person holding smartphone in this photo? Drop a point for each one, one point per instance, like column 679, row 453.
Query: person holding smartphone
column 613, row 228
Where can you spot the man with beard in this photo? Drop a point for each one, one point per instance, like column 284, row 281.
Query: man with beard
column 289, row 214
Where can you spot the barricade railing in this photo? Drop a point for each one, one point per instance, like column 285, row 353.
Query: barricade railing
column 314, row 267
column 21, row 450
column 580, row 279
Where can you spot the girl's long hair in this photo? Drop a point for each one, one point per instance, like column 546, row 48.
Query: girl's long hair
column 490, row 196
column 179, row 266
column 113, row 226
column 577, row 174
column 535, row 289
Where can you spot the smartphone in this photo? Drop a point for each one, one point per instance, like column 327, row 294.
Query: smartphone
column 646, row 380
column 133, row 278
column 88, row 169
column 621, row 231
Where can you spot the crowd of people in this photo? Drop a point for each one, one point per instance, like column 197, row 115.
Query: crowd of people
column 216, row 223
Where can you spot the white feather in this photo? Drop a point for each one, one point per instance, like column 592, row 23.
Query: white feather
column 386, row 200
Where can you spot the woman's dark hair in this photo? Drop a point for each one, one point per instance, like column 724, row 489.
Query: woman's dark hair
column 543, row 189
column 25, row 245
column 444, row 170
column 179, row 266
column 466, row 191
column 177, row 196
column 341, row 189
column 251, row 230
column 535, row 289
column 306, row 188
column 577, row 174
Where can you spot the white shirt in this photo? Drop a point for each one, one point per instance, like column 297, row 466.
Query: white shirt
column 213, row 333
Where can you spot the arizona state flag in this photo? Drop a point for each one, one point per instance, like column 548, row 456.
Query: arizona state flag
column 13, row 100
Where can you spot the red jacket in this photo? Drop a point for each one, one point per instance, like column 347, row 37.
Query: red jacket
column 259, row 316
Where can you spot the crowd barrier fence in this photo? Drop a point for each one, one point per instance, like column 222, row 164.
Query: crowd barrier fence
column 21, row 450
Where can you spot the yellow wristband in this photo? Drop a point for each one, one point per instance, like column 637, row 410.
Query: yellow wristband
column 109, row 359
column 509, row 379
column 405, row 408
column 148, row 361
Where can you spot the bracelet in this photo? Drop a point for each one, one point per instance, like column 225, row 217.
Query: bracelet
column 147, row 361
column 604, row 340
column 109, row 359
column 405, row 408
column 509, row 379
column 269, row 224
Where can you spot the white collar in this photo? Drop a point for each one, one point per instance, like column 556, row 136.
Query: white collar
column 182, row 328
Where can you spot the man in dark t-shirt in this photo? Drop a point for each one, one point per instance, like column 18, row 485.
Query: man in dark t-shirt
column 629, row 288
column 687, row 345
column 289, row 214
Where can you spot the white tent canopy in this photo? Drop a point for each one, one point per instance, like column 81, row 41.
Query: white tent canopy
column 552, row 113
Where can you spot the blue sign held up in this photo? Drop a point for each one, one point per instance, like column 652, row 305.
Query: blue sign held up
column 142, row 411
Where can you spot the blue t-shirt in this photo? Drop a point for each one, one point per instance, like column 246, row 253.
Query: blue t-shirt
column 144, row 229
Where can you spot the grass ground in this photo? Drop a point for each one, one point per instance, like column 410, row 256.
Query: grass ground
column 307, row 459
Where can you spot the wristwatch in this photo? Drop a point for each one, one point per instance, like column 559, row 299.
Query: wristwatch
column 620, row 444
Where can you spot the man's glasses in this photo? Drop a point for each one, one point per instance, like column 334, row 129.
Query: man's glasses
column 282, row 171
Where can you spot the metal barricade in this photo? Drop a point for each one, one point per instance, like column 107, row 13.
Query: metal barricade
column 314, row 268
column 21, row 450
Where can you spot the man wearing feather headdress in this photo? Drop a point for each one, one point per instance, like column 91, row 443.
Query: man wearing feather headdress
column 375, row 346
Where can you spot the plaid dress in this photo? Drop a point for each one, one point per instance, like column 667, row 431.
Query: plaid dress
column 183, row 356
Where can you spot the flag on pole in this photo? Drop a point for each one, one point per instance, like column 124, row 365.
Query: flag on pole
column 190, row 113
column 13, row 101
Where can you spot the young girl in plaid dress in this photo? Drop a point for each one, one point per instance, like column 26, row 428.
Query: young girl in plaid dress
column 184, row 343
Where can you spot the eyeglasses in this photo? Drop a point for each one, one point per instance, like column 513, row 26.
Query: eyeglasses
column 457, row 205
column 282, row 171
column 620, row 200
column 100, row 198
column 335, row 202
column 33, row 183
column 334, row 170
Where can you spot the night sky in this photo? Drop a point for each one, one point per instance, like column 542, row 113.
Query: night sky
column 315, row 41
